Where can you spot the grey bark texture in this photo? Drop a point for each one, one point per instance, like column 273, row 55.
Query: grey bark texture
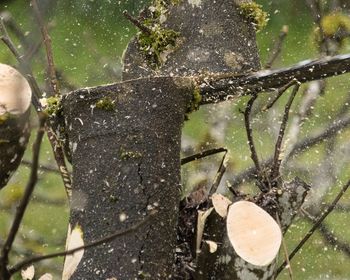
column 15, row 132
column 126, row 162
column 214, row 38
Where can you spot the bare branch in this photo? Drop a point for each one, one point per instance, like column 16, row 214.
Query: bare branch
column 92, row 244
column 223, row 87
column 219, row 175
column 280, row 92
column 55, row 144
column 329, row 236
column 137, row 23
column 316, row 225
column 277, row 47
column 26, row 197
column 23, row 65
column 47, row 42
column 330, row 131
column 202, row 155
column 249, row 131
column 317, row 14
column 276, row 159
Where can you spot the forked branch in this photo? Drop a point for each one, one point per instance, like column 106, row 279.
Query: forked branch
column 4, row 256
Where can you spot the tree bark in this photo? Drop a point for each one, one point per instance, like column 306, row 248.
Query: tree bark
column 126, row 161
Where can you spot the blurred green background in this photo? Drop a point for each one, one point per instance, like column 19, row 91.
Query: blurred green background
column 89, row 38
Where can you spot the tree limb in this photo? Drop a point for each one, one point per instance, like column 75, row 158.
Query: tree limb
column 225, row 86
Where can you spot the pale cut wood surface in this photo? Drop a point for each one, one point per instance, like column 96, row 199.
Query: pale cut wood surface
column 15, row 92
column 253, row 233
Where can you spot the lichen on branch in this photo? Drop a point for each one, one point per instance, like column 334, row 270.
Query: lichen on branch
column 254, row 13
column 159, row 41
column 52, row 105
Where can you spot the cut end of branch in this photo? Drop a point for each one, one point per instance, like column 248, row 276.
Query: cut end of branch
column 254, row 234
column 15, row 94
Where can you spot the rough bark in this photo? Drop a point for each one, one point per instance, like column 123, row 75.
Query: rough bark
column 214, row 37
column 126, row 162
column 14, row 138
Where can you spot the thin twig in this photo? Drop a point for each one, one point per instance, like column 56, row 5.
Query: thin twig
column 277, row 156
column 280, row 92
column 14, row 28
column 317, row 13
column 48, row 47
column 277, row 47
column 95, row 243
column 285, row 250
column 137, row 23
column 315, row 226
column 219, row 175
column 249, row 131
column 331, row 131
column 328, row 236
column 31, row 48
column 26, row 196
column 202, row 155
column 42, row 167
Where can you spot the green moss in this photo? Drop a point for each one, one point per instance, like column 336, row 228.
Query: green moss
column 194, row 104
column 335, row 22
column 124, row 154
column 105, row 103
column 253, row 13
column 53, row 105
column 159, row 41
column 156, row 44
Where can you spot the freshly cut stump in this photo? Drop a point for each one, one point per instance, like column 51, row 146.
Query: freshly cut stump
column 253, row 233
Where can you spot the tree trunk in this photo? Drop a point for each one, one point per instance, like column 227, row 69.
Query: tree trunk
column 125, row 143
